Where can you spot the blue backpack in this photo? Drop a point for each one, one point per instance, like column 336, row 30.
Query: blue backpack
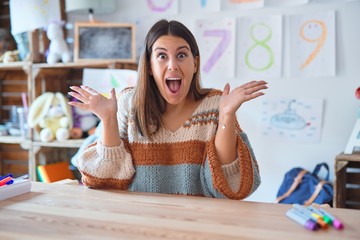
column 302, row 187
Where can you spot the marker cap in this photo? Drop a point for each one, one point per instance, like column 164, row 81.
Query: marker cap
column 311, row 225
column 337, row 224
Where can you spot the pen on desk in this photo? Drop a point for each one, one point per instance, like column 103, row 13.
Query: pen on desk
column 304, row 221
column 306, row 212
column 317, row 213
column 335, row 222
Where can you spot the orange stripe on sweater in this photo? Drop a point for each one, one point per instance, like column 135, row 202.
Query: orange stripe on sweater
column 191, row 152
column 105, row 183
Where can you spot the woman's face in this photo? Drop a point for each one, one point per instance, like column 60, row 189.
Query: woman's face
column 172, row 65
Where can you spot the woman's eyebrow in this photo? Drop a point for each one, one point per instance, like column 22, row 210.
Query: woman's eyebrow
column 181, row 47
column 164, row 49
column 160, row 49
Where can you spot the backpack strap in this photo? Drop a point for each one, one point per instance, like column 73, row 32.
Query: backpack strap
column 316, row 192
column 297, row 181
column 318, row 167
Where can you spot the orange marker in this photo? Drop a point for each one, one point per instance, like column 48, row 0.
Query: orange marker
column 319, row 220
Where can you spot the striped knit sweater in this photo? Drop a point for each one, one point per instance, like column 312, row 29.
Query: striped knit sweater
column 180, row 162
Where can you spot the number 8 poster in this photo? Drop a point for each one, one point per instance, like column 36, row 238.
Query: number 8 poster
column 260, row 47
column 312, row 45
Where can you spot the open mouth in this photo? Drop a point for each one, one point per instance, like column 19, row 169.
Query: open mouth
column 173, row 84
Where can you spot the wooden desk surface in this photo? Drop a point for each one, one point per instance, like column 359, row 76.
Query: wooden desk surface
column 54, row 211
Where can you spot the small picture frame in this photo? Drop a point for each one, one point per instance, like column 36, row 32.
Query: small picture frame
column 95, row 41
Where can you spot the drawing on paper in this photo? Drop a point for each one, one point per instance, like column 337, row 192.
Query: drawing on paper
column 242, row 4
column 260, row 54
column 216, row 40
column 289, row 119
column 312, row 45
column 311, row 33
column 297, row 120
column 103, row 80
column 162, row 6
column 260, row 48
column 225, row 36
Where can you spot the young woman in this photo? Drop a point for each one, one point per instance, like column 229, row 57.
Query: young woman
column 167, row 134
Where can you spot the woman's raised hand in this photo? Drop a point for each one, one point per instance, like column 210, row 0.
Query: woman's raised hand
column 95, row 102
column 232, row 100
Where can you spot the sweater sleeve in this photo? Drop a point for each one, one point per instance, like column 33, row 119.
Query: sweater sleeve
column 236, row 180
column 232, row 175
column 109, row 167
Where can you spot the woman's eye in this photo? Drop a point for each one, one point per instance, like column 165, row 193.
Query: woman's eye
column 162, row 56
column 181, row 55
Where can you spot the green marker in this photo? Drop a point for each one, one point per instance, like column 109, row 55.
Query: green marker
column 326, row 219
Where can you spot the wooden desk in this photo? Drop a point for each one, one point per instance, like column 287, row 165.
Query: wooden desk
column 54, row 211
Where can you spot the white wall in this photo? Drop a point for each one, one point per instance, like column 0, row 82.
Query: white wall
column 340, row 108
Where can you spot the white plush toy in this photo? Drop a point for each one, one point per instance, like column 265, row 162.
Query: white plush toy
column 51, row 115
column 58, row 49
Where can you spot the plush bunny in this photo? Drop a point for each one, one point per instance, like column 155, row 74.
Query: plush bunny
column 58, row 49
column 51, row 115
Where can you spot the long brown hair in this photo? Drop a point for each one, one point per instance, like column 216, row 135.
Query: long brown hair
column 148, row 103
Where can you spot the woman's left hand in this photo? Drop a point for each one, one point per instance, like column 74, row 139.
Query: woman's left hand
column 232, row 100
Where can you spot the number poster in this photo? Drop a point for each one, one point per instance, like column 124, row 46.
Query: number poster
column 312, row 45
column 260, row 47
column 216, row 39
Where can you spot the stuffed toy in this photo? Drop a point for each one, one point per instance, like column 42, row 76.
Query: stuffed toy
column 51, row 116
column 58, row 49
column 10, row 56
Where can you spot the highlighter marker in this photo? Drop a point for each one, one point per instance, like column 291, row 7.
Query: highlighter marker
column 5, row 180
column 326, row 219
column 8, row 175
column 335, row 222
column 303, row 210
column 320, row 220
column 306, row 222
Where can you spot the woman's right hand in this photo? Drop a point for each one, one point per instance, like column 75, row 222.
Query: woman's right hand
column 95, row 102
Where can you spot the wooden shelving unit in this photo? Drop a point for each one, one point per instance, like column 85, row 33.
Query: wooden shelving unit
column 35, row 79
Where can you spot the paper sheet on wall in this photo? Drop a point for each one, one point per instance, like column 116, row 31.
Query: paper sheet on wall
column 164, row 7
column 103, row 80
column 260, row 54
column 283, row 3
column 242, row 4
column 200, row 6
column 216, row 39
column 312, row 45
column 292, row 119
column 30, row 15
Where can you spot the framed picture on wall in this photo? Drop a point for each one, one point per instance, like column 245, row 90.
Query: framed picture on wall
column 104, row 41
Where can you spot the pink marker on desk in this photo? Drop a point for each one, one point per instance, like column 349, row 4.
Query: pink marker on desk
column 335, row 222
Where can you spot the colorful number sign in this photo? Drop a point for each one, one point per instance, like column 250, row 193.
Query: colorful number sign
column 216, row 39
column 312, row 45
column 163, row 6
column 260, row 47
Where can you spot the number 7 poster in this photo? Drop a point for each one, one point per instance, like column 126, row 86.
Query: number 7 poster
column 312, row 45
column 216, row 40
